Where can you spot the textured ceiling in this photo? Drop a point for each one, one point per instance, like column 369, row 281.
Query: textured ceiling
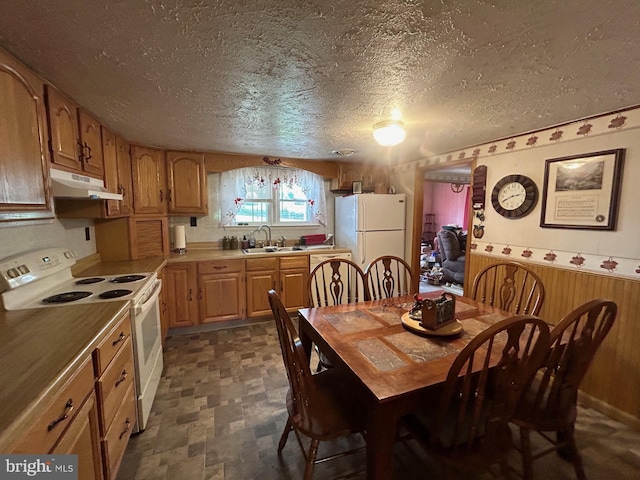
column 301, row 78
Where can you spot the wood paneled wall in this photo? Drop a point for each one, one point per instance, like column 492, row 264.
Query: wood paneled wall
column 614, row 375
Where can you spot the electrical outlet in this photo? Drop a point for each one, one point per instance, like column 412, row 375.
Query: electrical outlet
column 87, row 233
column 193, row 221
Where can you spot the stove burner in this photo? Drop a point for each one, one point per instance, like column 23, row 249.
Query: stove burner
column 127, row 278
column 66, row 297
column 89, row 281
column 115, row 293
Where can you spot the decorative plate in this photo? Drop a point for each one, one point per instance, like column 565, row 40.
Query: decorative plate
column 453, row 328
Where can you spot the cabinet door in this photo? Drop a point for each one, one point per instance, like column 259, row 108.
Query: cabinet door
column 187, row 183
column 149, row 180
column 258, row 284
column 63, row 130
column 221, row 297
column 111, row 182
column 83, row 439
column 293, row 288
column 24, row 190
column 91, row 145
column 180, row 289
column 125, row 185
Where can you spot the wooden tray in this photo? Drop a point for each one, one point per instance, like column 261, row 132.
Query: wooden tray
column 453, row 328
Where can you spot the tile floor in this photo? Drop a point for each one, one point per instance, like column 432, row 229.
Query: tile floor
column 220, row 411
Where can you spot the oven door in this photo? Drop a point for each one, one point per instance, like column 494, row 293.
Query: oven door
column 147, row 351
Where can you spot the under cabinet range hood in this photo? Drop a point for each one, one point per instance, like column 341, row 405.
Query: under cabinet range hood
column 71, row 185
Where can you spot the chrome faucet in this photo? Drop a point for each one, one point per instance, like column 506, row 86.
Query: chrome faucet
column 267, row 233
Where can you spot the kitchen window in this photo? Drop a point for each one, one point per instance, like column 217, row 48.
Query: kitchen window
column 271, row 195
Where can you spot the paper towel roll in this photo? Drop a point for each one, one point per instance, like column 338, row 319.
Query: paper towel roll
column 179, row 237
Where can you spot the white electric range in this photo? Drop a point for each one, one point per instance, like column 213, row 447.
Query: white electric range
column 42, row 278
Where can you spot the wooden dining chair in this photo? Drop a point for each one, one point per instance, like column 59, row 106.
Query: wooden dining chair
column 389, row 276
column 322, row 407
column 510, row 286
column 549, row 405
column 465, row 422
column 337, row 281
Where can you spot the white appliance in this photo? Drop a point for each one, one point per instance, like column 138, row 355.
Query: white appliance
column 371, row 225
column 42, row 278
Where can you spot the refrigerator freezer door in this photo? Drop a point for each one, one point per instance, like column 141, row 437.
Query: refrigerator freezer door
column 380, row 212
column 371, row 245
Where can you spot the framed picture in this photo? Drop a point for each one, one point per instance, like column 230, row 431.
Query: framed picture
column 357, row 187
column 582, row 191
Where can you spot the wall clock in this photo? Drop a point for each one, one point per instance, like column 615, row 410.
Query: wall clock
column 514, row 196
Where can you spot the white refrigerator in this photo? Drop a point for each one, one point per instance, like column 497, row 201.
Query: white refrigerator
column 371, row 225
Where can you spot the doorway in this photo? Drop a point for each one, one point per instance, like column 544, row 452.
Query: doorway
column 442, row 199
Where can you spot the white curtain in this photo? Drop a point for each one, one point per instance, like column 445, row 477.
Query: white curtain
column 233, row 189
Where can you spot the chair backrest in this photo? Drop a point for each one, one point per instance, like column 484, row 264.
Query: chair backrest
column 337, row 281
column 509, row 286
column 449, row 245
column 389, row 276
column 302, row 387
column 574, row 342
column 485, row 383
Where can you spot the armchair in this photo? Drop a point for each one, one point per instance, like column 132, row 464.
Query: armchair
column 452, row 256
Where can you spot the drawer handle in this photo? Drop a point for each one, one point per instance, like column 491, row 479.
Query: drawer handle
column 120, row 338
column 219, row 268
column 68, row 408
column 123, row 377
column 127, row 426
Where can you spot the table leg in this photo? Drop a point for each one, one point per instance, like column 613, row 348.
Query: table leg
column 304, row 338
column 382, row 424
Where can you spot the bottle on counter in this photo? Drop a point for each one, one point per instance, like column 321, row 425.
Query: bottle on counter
column 225, row 243
column 244, row 244
column 233, row 243
column 252, row 242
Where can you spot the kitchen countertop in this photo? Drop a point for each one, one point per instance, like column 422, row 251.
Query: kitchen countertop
column 40, row 349
column 204, row 254
column 145, row 265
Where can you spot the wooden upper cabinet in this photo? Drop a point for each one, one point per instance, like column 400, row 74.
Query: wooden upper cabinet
column 24, row 190
column 187, row 182
column 91, row 145
column 149, row 181
column 63, row 130
column 125, row 185
column 75, row 136
column 117, row 173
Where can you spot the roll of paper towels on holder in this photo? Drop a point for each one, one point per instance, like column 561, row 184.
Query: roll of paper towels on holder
column 179, row 237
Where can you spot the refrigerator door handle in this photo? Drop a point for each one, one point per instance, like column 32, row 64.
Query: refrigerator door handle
column 362, row 247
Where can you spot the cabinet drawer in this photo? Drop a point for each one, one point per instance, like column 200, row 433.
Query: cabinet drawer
column 111, row 345
column 48, row 426
column 117, row 437
column 266, row 263
column 220, row 266
column 299, row 261
column 114, row 383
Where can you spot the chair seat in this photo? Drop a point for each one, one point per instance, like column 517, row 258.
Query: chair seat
column 335, row 393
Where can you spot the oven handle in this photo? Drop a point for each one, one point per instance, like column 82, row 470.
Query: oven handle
column 142, row 308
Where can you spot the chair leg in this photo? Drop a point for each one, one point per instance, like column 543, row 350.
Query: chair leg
column 525, row 451
column 311, row 459
column 285, row 435
column 574, row 455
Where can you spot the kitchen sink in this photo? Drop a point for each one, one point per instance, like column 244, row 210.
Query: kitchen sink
column 274, row 249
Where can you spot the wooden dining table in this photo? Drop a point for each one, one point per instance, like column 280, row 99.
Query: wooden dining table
column 396, row 365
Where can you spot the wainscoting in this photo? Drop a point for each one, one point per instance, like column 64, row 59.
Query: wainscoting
column 613, row 380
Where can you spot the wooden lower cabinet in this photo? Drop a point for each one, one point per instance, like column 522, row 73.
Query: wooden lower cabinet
column 221, row 290
column 81, row 438
column 262, row 276
column 181, row 294
column 286, row 275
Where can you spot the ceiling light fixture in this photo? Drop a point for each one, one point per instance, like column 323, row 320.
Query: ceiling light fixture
column 389, row 133
column 344, row 152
